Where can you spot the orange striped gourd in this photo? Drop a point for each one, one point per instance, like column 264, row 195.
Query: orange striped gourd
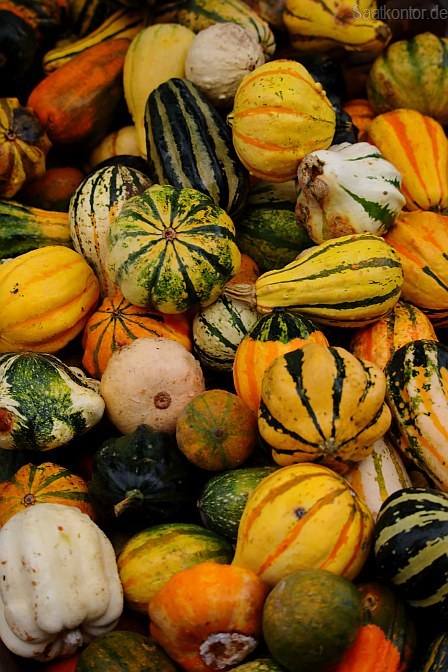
column 304, row 516
column 378, row 341
column 361, row 113
column 421, row 240
column 417, row 146
column 280, row 114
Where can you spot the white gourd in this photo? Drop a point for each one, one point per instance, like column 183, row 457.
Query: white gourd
column 218, row 59
column 347, row 189
column 60, row 586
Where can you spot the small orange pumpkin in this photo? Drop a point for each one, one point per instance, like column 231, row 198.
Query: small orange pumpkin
column 247, row 274
column 208, row 617
column 361, row 113
column 117, row 323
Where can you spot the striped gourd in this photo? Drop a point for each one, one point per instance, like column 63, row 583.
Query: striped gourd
column 173, row 249
column 279, row 115
column 267, row 230
column 124, row 22
column 379, row 475
column 218, row 330
column 304, row 516
column 24, row 228
column 190, row 146
column 417, row 146
column 152, row 556
column 123, row 650
column 378, row 341
column 93, row 206
column 319, row 402
column 346, row 282
column 417, row 393
column 410, row 543
column 46, row 482
column 436, row 656
column 421, row 240
column 198, row 14
column 272, row 335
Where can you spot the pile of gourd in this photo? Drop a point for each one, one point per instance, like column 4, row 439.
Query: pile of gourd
column 223, row 295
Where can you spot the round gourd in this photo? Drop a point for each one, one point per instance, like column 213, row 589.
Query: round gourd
column 310, row 619
column 280, row 114
column 172, row 249
column 151, row 557
column 216, row 431
column 46, row 297
column 361, row 113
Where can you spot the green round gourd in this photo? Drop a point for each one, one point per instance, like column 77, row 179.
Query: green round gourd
column 310, row 619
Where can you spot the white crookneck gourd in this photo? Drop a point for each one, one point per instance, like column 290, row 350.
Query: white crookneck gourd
column 347, row 189
column 60, row 586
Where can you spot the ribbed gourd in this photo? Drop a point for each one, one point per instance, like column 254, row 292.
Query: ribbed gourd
column 172, row 249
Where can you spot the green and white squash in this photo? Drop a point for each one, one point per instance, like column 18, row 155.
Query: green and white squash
column 93, row 206
column 189, row 146
column 172, row 249
column 268, row 230
column 44, row 403
column 346, row 189
column 219, row 329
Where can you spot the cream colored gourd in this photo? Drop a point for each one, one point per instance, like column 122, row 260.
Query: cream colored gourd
column 349, row 188
column 60, row 586
column 155, row 55
column 218, row 59
column 150, row 381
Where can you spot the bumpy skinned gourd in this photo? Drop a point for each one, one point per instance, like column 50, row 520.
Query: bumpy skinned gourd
column 321, row 402
column 349, row 188
column 60, row 585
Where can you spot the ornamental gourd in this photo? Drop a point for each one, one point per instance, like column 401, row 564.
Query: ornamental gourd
column 319, row 402
column 349, row 188
column 60, row 585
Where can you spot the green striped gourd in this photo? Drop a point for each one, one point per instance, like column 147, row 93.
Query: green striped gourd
column 93, row 206
column 24, row 228
column 410, row 542
column 173, row 249
column 198, row 14
column 267, row 230
column 121, row 650
column 190, row 146
column 417, row 393
column 436, row 656
column 345, row 282
column 378, row 475
column 152, row 556
column 219, row 329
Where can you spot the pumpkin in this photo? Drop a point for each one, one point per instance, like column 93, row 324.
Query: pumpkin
column 216, row 431
column 24, row 146
column 116, row 322
column 280, row 114
column 361, row 113
column 304, row 516
column 52, row 190
column 411, row 74
column 421, row 239
column 46, row 297
column 310, row 619
column 271, row 336
column 418, row 148
column 172, row 249
column 347, row 189
column 319, row 402
column 46, row 482
column 60, row 585
column 208, row 617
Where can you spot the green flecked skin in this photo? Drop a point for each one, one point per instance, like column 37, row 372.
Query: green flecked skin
column 260, row 665
column 268, row 231
column 310, row 619
column 172, row 249
column 43, row 404
column 123, row 651
column 224, row 497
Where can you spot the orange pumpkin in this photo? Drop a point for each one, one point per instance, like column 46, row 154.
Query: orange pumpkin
column 361, row 113
column 117, row 323
column 247, row 274
column 46, row 483
column 208, row 617
column 216, row 430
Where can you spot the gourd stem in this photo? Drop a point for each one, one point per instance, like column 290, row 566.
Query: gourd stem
column 243, row 292
column 133, row 498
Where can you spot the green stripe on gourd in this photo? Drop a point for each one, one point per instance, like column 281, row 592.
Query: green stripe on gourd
column 190, row 146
